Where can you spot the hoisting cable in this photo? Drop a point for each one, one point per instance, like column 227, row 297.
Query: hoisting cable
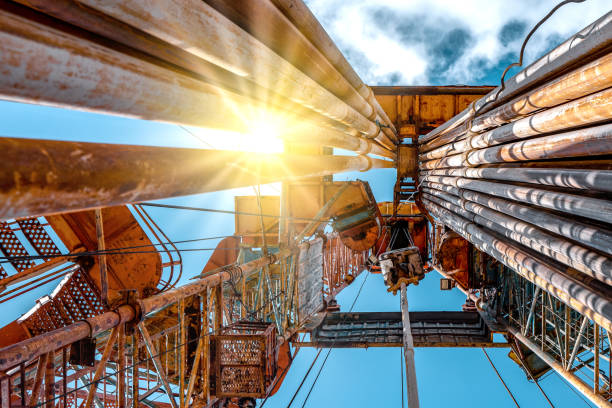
column 304, row 378
column 181, row 207
column 531, row 375
column 500, row 377
column 332, row 345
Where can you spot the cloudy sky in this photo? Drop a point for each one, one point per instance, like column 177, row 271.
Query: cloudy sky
column 443, row 42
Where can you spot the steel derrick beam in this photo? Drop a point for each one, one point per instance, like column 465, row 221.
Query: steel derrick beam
column 576, row 382
column 26, row 350
column 43, row 177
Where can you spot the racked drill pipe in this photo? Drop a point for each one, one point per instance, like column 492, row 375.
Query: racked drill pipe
column 307, row 23
column 280, row 35
column 594, row 208
column 577, row 295
column 26, row 350
column 170, row 57
column 585, row 234
column 580, row 258
column 583, row 81
column 200, row 29
column 42, row 177
column 593, row 141
column 597, row 180
column 580, row 112
column 591, row 40
column 42, row 65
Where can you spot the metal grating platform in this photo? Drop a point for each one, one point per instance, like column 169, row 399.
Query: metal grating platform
column 384, row 329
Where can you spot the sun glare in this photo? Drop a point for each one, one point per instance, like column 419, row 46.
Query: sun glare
column 263, row 136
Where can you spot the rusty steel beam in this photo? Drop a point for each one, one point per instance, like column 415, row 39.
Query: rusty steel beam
column 576, row 382
column 88, row 175
column 576, row 294
column 592, row 41
column 26, row 350
column 596, row 180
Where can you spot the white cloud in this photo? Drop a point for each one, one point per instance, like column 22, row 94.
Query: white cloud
column 403, row 41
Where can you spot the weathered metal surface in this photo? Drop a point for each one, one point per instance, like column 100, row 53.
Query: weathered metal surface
column 407, row 161
column 594, row 208
column 139, row 271
column 41, row 64
column 250, row 227
column 401, row 267
column 415, row 110
column 310, row 280
column 89, row 175
column 452, row 255
column 12, row 247
column 76, row 298
column 576, row 256
column 341, row 265
column 580, row 112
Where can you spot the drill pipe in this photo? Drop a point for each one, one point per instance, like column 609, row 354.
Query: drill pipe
column 596, row 180
column 578, row 231
column 575, row 256
column 29, row 349
column 583, row 81
column 583, row 46
column 199, row 29
column 307, row 23
column 151, row 49
column 45, row 177
column 282, row 37
column 594, row 208
column 587, row 110
column 593, row 141
column 577, row 295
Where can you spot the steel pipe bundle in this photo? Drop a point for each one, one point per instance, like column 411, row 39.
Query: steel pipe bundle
column 186, row 63
column 525, row 173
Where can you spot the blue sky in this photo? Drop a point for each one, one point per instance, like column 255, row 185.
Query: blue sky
column 389, row 43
